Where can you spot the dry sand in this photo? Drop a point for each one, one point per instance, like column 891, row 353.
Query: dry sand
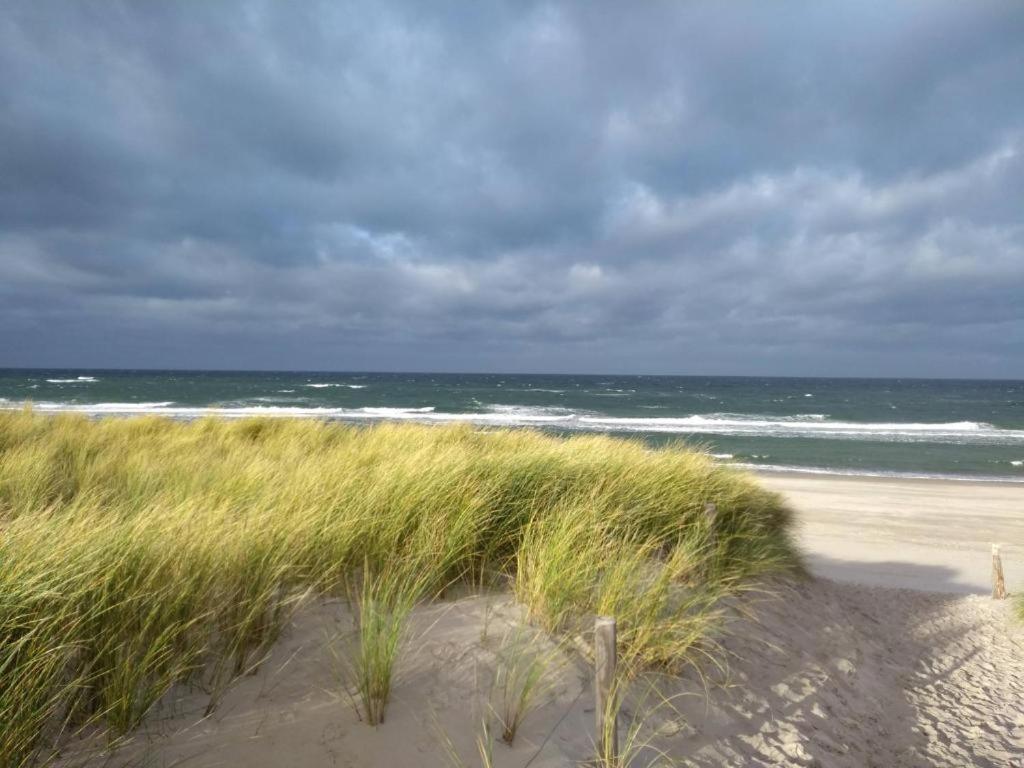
column 826, row 673
column 933, row 535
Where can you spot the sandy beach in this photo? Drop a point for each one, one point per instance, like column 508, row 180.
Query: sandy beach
column 932, row 535
column 873, row 661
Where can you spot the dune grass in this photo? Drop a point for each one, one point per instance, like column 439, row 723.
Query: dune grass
column 522, row 676
column 140, row 553
column 382, row 605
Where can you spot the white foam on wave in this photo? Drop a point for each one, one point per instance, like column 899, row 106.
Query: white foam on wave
column 808, row 425
column 398, row 412
column 501, row 415
column 614, row 393
column 168, row 408
column 817, row 422
column 104, row 407
column 518, row 414
column 333, row 384
column 813, row 425
column 77, row 380
column 1017, row 463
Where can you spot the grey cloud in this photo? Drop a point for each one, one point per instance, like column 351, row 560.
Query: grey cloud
column 694, row 188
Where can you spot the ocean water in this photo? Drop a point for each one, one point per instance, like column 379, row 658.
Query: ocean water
column 906, row 427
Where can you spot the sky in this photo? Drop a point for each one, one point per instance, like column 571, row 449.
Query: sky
column 743, row 188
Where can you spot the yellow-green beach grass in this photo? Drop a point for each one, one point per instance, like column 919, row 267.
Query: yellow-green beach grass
column 139, row 553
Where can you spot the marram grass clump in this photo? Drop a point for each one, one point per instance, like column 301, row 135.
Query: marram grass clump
column 140, row 553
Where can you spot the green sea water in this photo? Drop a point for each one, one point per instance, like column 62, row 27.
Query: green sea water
column 906, row 427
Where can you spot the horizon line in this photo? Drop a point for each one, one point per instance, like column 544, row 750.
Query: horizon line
column 505, row 373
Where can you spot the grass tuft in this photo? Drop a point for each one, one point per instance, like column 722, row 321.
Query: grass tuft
column 522, row 675
column 382, row 607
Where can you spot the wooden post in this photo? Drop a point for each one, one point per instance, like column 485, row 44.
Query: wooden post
column 606, row 709
column 998, row 582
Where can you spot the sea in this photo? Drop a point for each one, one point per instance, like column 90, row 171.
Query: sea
column 919, row 428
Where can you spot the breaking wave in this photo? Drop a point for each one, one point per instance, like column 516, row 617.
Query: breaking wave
column 814, row 425
column 332, row 384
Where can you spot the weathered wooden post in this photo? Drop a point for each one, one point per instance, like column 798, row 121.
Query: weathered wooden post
column 998, row 582
column 606, row 708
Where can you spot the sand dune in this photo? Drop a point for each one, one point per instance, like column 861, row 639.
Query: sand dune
column 823, row 672
column 829, row 674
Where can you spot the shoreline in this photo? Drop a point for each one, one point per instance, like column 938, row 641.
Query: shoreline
column 766, row 472
column 928, row 535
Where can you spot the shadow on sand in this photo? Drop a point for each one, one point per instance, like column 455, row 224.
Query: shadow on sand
column 927, row 578
column 826, row 674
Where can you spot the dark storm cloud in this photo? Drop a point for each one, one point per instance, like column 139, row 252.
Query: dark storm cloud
column 827, row 188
